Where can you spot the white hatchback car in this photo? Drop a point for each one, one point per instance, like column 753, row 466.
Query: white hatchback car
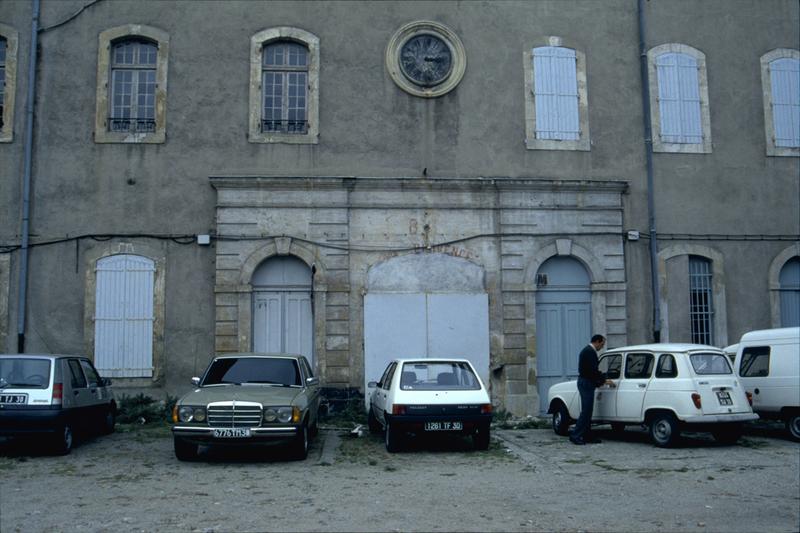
column 667, row 388
column 430, row 396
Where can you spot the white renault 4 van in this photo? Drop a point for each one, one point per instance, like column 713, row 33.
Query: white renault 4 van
column 768, row 365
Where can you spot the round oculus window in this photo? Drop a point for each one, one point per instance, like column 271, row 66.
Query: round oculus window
column 426, row 59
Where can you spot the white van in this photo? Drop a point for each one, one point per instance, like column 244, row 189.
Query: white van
column 768, row 365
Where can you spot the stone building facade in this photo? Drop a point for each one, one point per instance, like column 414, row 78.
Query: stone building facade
column 364, row 180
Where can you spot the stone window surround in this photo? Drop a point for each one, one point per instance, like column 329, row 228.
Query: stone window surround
column 12, row 44
column 106, row 41
column 766, row 86
column 531, row 142
column 775, row 284
column 655, row 112
column 718, row 287
column 257, row 43
column 158, row 256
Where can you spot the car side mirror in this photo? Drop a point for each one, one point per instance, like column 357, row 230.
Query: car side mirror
column 105, row 382
column 372, row 384
column 196, row 381
column 310, row 382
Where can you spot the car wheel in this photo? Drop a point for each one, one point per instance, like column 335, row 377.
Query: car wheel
column 727, row 433
column 561, row 420
column 300, row 444
column 372, row 422
column 617, row 427
column 793, row 425
column 481, row 438
column 64, row 440
column 110, row 421
column 184, row 450
column 391, row 439
column 664, row 430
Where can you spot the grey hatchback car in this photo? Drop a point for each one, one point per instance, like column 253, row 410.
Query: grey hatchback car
column 51, row 397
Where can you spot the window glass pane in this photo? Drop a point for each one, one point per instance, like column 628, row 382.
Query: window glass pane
column 78, row 379
column 755, row 362
column 639, row 365
column 253, row 370
column 710, row 363
column 610, row 365
column 438, row 376
column 284, row 88
column 666, row 366
column 21, row 371
column 90, row 373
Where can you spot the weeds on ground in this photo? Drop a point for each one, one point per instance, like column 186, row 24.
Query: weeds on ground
column 502, row 419
column 142, row 409
column 345, row 414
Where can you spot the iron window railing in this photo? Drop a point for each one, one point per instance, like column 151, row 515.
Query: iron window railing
column 132, row 125
column 284, row 126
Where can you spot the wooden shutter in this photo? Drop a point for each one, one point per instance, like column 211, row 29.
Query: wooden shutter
column 555, row 90
column 123, row 321
column 679, row 99
column 785, row 80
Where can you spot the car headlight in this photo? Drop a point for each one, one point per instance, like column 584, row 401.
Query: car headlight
column 283, row 415
column 188, row 413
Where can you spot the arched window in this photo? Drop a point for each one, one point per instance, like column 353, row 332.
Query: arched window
column 780, row 78
column 284, row 86
column 679, row 99
column 132, row 85
column 556, row 102
column 790, row 293
column 701, row 301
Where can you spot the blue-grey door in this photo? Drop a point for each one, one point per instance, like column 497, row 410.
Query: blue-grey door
column 282, row 317
column 563, row 322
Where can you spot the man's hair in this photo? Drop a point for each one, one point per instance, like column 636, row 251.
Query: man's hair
column 598, row 338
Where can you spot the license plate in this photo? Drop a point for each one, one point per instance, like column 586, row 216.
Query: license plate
column 443, row 426
column 13, row 398
column 724, row 398
column 234, row 433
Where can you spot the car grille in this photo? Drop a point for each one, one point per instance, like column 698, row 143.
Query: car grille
column 234, row 415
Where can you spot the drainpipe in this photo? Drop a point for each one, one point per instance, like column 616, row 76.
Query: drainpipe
column 26, row 178
column 651, row 209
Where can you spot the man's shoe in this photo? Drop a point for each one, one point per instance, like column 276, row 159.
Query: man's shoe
column 579, row 442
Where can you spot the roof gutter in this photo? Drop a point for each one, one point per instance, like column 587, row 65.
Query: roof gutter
column 26, row 178
column 648, row 142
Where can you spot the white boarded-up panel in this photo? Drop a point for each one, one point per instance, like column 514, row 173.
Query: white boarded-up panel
column 124, row 316
column 298, row 324
column 267, row 324
column 458, row 326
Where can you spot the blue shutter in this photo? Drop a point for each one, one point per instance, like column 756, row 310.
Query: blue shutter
column 555, row 88
column 785, row 78
column 123, row 329
column 679, row 99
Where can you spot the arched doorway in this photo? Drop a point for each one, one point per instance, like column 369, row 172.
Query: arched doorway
column 282, row 318
column 563, row 321
column 789, row 280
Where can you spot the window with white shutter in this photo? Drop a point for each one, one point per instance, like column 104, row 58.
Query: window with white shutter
column 123, row 319
column 679, row 99
column 556, row 103
column 8, row 80
column 780, row 77
column 555, row 92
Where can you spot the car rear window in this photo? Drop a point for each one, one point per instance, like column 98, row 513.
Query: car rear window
column 256, row 370
column 710, row 363
column 438, row 375
column 24, row 372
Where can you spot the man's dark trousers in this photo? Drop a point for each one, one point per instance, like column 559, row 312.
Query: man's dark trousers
column 586, row 389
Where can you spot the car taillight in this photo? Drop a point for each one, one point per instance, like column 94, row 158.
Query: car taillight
column 749, row 398
column 58, row 394
column 696, row 400
column 486, row 409
column 398, row 409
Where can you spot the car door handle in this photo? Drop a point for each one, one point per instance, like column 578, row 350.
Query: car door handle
column 75, row 392
column 642, row 385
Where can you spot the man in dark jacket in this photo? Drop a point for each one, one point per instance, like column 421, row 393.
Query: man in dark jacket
column 589, row 378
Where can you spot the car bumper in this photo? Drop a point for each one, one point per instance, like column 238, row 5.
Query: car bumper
column 721, row 419
column 417, row 423
column 31, row 420
column 205, row 435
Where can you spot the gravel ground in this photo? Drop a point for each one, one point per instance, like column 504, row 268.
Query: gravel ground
column 529, row 480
